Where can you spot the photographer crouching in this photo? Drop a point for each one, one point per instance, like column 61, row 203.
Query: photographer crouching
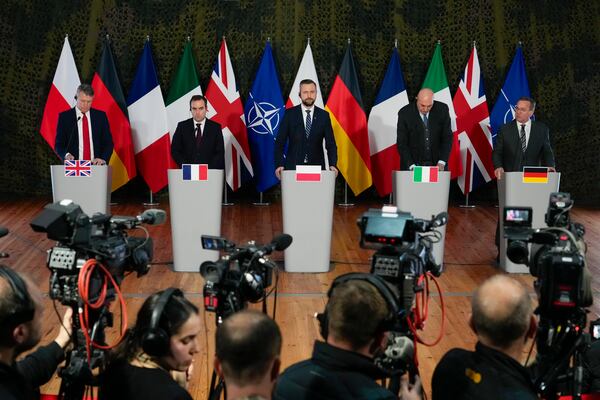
column 21, row 313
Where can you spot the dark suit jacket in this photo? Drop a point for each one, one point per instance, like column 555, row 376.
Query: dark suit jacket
column 411, row 135
column 67, row 135
column 507, row 153
column 211, row 150
column 292, row 131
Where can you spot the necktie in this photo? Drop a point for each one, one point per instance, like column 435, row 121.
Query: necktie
column 523, row 139
column 308, row 123
column 198, row 134
column 87, row 151
column 425, row 121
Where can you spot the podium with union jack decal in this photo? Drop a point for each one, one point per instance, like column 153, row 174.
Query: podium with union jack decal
column 86, row 184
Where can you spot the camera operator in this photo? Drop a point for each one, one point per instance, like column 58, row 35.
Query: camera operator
column 502, row 318
column 248, row 346
column 160, row 346
column 343, row 367
column 21, row 312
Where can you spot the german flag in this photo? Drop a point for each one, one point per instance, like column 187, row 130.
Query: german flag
column 535, row 174
column 349, row 123
column 109, row 97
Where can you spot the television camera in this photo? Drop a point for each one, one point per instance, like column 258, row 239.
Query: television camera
column 404, row 259
column 242, row 275
column 563, row 286
column 91, row 253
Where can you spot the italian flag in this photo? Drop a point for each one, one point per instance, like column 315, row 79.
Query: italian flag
column 425, row 174
column 436, row 80
column 184, row 85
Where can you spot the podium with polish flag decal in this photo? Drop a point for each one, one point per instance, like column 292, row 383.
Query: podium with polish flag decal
column 86, row 184
column 195, row 195
column 423, row 192
column 307, row 204
column 530, row 188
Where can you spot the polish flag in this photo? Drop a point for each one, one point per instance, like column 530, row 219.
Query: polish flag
column 62, row 93
column 308, row 173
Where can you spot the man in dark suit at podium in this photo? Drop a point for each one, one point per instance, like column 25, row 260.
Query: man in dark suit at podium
column 83, row 132
column 522, row 142
column 303, row 128
column 424, row 133
column 198, row 140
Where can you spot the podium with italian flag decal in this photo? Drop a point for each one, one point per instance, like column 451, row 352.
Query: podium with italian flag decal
column 86, row 184
column 530, row 188
column 423, row 192
column 195, row 195
column 307, row 204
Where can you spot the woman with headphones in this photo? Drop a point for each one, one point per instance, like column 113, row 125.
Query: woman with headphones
column 162, row 344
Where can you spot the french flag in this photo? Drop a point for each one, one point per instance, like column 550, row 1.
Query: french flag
column 62, row 93
column 195, row 172
column 149, row 126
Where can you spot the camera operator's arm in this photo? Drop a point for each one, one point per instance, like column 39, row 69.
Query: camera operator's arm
column 40, row 365
column 408, row 391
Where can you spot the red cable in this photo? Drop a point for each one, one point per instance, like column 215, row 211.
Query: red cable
column 419, row 320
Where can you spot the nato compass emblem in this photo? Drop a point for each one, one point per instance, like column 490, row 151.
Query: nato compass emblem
column 263, row 118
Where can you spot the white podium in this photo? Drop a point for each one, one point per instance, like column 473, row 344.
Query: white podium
column 513, row 192
column 195, row 211
column 423, row 200
column 308, row 218
column 91, row 193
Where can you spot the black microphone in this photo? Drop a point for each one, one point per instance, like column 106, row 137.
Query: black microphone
column 279, row 243
column 440, row 220
column 71, row 138
column 3, row 231
column 152, row 217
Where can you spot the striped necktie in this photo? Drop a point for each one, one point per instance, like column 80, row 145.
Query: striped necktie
column 308, row 123
column 523, row 139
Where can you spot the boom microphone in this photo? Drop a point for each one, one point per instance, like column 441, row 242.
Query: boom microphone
column 279, row 243
column 152, row 217
column 3, row 231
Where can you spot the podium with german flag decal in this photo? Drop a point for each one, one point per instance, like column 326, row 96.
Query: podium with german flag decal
column 307, row 204
column 423, row 192
column 195, row 195
column 530, row 188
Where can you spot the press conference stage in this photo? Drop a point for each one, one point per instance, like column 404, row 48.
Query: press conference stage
column 469, row 260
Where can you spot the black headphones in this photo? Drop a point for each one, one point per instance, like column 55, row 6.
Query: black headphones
column 382, row 287
column 26, row 308
column 155, row 341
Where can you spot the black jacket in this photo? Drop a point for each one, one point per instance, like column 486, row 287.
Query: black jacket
column 22, row 380
column 123, row 381
column 292, row 132
column 332, row 373
column 67, row 135
column 211, row 150
column 481, row 374
column 508, row 153
column 411, row 135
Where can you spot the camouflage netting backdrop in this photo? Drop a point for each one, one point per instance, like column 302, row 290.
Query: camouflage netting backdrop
column 561, row 43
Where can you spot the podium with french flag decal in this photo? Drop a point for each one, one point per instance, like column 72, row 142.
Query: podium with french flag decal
column 307, row 204
column 530, row 188
column 86, row 184
column 195, row 195
column 423, row 192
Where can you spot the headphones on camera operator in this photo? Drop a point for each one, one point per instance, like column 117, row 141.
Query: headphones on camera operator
column 26, row 308
column 388, row 323
column 155, row 341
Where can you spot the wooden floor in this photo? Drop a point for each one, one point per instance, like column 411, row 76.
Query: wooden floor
column 469, row 256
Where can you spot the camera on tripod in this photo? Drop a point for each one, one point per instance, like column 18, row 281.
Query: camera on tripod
column 242, row 275
column 403, row 258
column 563, row 286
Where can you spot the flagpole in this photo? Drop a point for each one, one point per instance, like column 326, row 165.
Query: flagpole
column 260, row 201
column 345, row 203
column 466, row 205
column 225, row 201
column 151, row 202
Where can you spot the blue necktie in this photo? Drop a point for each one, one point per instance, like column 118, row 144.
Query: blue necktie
column 308, row 123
